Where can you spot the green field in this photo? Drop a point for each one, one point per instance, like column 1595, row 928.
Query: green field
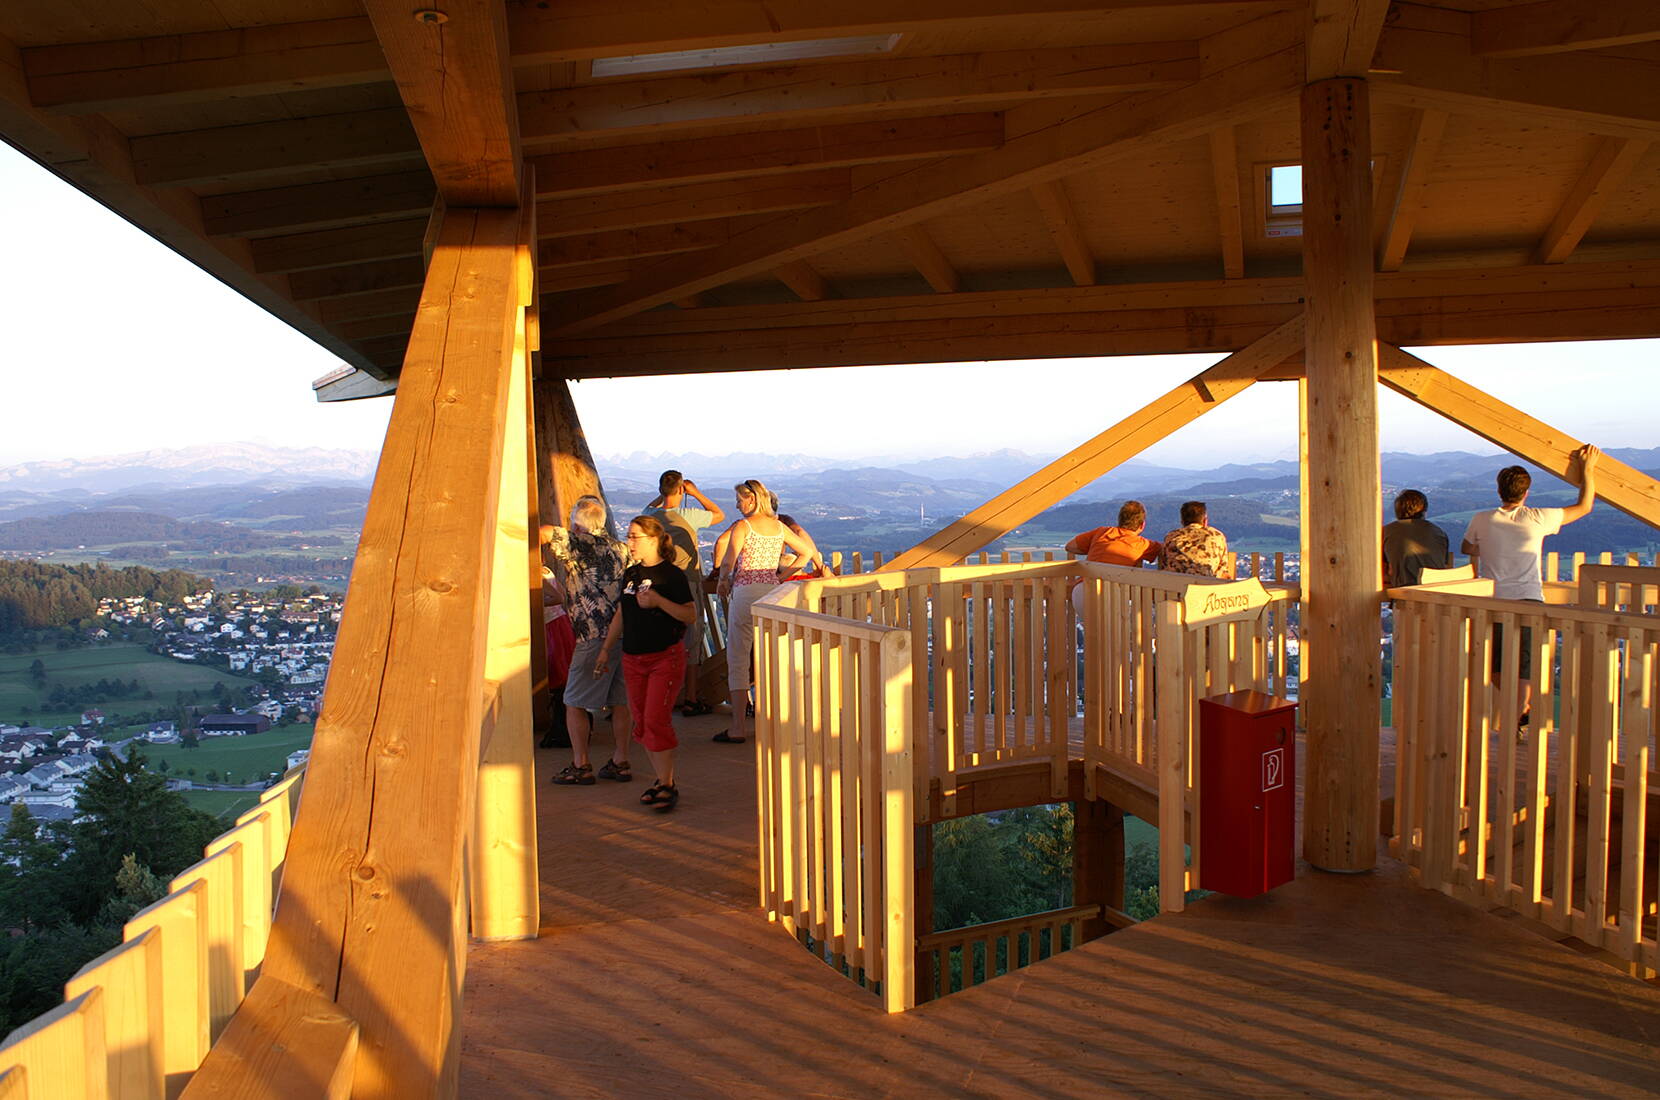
column 122, row 661
column 221, row 804
column 245, row 758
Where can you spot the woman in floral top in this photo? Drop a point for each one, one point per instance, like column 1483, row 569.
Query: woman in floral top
column 593, row 564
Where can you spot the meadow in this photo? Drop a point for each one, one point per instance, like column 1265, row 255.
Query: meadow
column 245, row 759
column 123, row 661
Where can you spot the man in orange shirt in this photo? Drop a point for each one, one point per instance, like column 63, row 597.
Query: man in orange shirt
column 1121, row 545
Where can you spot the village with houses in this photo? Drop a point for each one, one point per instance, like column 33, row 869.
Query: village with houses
column 276, row 650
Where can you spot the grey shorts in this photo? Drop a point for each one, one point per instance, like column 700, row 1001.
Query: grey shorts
column 582, row 690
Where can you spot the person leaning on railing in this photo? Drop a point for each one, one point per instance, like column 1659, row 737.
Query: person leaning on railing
column 1412, row 543
column 1196, row 547
column 1121, row 545
column 1508, row 543
column 749, row 570
column 593, row 564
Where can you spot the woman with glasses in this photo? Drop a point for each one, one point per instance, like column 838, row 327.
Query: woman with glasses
column 748, row 571
column 650, row 621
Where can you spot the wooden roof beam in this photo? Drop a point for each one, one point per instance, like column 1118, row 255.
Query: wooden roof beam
column 1557, row 26
column 381, row 137
column 840, row 92
column 453, row 73
column 731, row 156
column 806, row 283
column 1041, row 146
column 1224, row 167
column 577, row 30
column 1425, row 67
column 335, row 247
column 1427, row 128
column 927, row 258
column 1612, row 162
column 629, row 244
column 1062, row 221
column 1343, row 36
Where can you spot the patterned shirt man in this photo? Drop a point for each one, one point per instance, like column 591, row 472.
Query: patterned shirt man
column 593, row 565
column 1196, row 547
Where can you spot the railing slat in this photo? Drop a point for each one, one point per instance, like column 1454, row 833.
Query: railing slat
column 62, row 1052
column 220, row 875
column 181, row 921
column 130, row 977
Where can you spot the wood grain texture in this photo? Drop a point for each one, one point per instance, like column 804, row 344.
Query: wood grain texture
column 284, row 1041
column 1340, row 579
column 374, row 872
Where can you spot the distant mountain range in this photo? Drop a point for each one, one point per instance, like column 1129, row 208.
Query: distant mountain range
column 205, row 464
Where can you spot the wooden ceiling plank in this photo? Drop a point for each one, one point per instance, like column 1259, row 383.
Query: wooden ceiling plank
column 336, row 282
column 1088, row 140
column 562, row 280
column 333, row 247
column 1224, row 168
column 730, row 156
column 804, row 282
column 362, row 307
column 1558, row 26
column 576, row 30
column 626, row 244
column 693, row 202
column 1427, row 127
column 275, row 210
column 836, row 92
column 195, row 68
column 927, row 258
column 1591, row 93
column 1062, row 221
column 1610, row 164
column 456, row 80
column 1343, row 36
column 227, row 152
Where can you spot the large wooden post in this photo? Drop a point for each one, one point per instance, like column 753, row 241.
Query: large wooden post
column 1340, row 575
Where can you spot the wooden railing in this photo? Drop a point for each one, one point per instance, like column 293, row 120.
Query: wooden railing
column 957, row 959
column 834, row 791
column 138, row 1020
column 1553, row 824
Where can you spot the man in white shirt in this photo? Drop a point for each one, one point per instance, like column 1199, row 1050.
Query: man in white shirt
column 1508, row 542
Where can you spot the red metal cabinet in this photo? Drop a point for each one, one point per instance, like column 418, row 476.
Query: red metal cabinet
column 1247, row 792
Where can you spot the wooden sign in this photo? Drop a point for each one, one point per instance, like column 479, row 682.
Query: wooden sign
column 1206, row 604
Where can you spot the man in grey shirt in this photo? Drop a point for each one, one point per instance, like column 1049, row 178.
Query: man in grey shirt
column 685, row 523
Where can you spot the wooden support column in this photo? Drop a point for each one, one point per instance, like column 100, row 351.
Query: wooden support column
column 1097, row 861
column 924, row 909
column 502, row 868
column 565, row 466
column 1340, row 575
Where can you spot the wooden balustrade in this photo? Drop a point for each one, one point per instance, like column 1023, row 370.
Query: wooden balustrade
column 834, row 791
column 1557, row 824
column 138, row 1020
column 954, row 960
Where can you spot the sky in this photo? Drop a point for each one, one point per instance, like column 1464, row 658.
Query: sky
column 112, row 343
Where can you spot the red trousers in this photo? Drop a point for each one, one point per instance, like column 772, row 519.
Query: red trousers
column 653, row 681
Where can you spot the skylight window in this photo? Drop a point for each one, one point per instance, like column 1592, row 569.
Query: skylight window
column 720, row 57
column 1283, row 216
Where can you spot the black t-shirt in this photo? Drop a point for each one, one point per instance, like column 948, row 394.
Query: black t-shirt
column 652, row 630
column 1411, row 546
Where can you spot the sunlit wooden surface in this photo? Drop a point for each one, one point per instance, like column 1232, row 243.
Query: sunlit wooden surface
column 655, row 975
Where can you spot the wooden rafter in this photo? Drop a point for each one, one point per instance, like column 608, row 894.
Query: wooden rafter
column 275, row 210
column 658, row 240
column 381, row 137
column 731, row 156
column 1630, row 490
column 1427, row 127
column 1224, row 168
column 926, row 257
column 1039, row 152
column 1610, row 164
column 1062, row 221
column 806, row 283
column 1596, row 93
column 1083, row 464
column 1342, row 36
column 453, row 73
column 1558, row 26
column 333, row 247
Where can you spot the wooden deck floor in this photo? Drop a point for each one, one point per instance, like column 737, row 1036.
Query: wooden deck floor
column 655, row 976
